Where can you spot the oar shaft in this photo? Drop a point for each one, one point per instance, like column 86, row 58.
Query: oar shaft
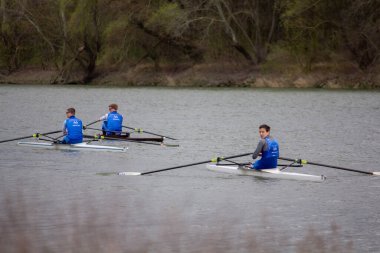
column 328, row 166
column 233, row 162
column 340, row 168
column 29, row 136
column 89, row 124
column 176, row 167
column 15, row 139
column 193, row 164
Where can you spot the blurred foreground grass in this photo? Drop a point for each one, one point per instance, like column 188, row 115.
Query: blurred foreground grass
column 26, row 228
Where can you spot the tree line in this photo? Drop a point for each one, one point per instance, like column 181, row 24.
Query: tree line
column 78, row 36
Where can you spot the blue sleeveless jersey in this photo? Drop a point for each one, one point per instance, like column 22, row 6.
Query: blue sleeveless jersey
column 269, row 157
column 273, row 149
column 74, row 127
column 113, row 124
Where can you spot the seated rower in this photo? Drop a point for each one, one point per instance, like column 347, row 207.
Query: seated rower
column 112, row 121
column 268, row 148
column 72, row 128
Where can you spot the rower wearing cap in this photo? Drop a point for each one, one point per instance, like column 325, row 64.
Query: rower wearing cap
column 112, row 121
column 268, row 148
column 72, row 128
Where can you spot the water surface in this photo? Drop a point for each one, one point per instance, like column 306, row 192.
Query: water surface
column 192, row 209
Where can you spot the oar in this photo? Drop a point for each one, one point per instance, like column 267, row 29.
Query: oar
column 54, row 140
column 89, row 124
column 39, row 134
column 140, row 130
column 301, row 161
column 30, row 136
column 180, row 166
column 287, row 166
column 239, row 164
column 278, row 165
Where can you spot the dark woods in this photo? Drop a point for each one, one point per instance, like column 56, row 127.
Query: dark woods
column 75, row 37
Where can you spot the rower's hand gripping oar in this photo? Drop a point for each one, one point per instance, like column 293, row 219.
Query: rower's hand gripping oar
column 36, row 135
column 301, row 161
column 140, row 130
column 215, row 160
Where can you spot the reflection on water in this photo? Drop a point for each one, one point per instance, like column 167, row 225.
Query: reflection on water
column 62, row 191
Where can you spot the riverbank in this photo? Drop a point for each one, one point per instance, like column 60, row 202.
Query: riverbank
column 215, row 75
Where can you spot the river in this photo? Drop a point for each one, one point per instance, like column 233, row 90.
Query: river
column 58, row 201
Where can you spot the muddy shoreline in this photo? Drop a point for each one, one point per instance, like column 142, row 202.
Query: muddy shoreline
column 210, row 75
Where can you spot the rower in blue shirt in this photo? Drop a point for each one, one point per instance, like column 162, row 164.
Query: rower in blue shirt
column 72, row 128
column 112, row 121
column 268, row 148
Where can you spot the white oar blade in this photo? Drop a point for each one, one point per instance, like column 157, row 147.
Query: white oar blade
column 376, row 173
column 127, row 173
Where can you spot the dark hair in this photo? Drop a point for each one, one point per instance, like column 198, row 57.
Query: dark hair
column 71, row 110
column 265, row 126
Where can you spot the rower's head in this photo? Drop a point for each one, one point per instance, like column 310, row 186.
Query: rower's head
column 264, row 130
column 70, row 112
column 113, row 107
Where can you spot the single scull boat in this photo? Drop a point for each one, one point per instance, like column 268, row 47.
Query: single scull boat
column 78, row 146
column 267, row 173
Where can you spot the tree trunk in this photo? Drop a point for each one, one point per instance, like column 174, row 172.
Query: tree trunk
column 230, row 31
column 64, row 33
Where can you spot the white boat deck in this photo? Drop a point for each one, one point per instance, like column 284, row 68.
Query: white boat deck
column 78, row 146
column 267, row 173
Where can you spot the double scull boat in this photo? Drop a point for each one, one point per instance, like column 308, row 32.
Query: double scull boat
column 78, row 146
column 266, row 173
column 124, row 137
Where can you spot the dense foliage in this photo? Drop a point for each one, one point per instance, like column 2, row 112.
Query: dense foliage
column 80, row 35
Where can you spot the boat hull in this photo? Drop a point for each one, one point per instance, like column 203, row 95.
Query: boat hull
column 79, row 146
column 125, row 138
column 267, row 173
